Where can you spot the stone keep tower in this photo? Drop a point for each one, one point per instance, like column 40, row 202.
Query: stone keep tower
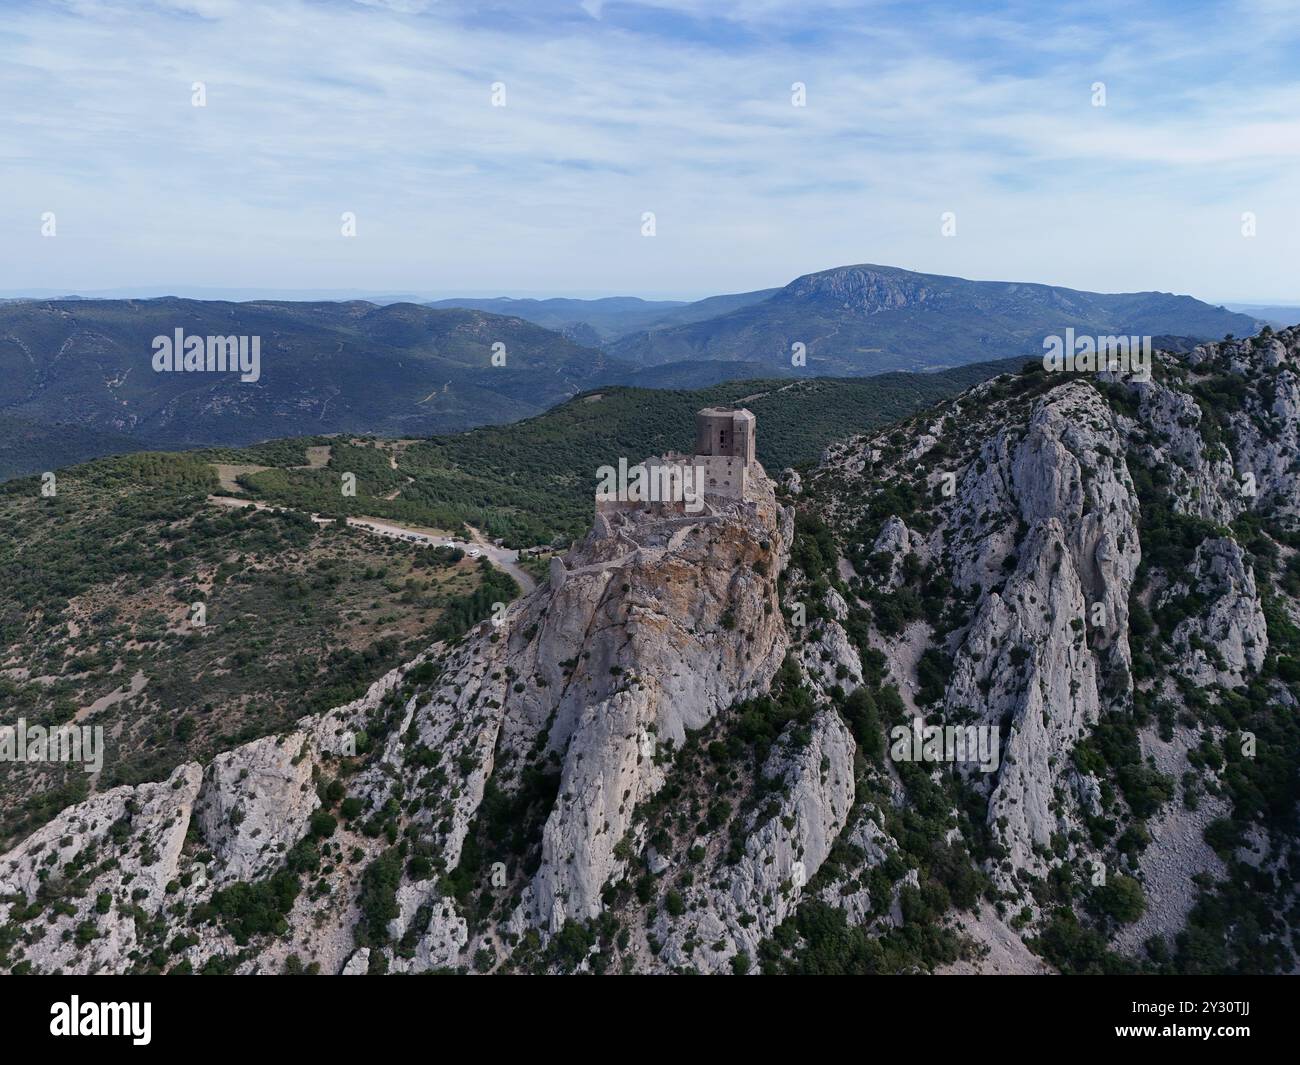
column 724, row 446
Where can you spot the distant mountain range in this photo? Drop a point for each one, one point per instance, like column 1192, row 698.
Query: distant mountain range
column 78, row 379
column 1279, row 317
column 84, row 369
column 603, row 320
column 854, row 317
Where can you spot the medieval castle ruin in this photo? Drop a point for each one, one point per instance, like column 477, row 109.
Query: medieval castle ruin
column 647, row 510
column 720, row 467
column 724, row 446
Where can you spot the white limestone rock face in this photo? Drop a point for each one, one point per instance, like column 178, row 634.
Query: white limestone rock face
column 143, row 828
column 1226, row 639
column 442, row 942
column 1042, row 543
column 458, row 723
column 1040, row 650
column 1025, row 668
column 1204, row 480
column 983, row 527
column 664, row 624
column 1267, row 439
column 739, row 905
column 828, row 658
column 872, row 846
column 835, row 605
column 255, row 799
column 896, row 541
column 1255, row 466
column 1071, row 468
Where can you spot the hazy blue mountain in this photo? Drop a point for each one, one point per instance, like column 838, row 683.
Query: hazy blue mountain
column 868, row 319
column 396, row 370
column 1279, row 316
column 30, row 447
column 607, row 319
column 78, row 379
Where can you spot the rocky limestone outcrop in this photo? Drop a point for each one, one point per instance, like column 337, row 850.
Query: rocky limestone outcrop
column 254, row 799
column 1025, row 669
column 441, row 941
column 1266, row 432
column 872, row 846
column 1225, row 639
column 127, row 848
column 739, row 905
column 666, row 620
column 1204, row 480
column 1043, row 647
column 825, row 652
column 894, row 543
column 128, row 841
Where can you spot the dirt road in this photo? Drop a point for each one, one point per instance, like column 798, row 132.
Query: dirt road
column 501, row 557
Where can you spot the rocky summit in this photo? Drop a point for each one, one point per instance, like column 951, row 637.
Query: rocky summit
column 1008, row 687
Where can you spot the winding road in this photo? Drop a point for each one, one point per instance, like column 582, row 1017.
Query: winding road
column 501, row 557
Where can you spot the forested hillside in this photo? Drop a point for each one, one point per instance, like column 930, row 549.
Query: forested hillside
column 129, row 601
column 532, row 481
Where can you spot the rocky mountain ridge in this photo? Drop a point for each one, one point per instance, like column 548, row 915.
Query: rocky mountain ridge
column 683, row 754
column 867, row 318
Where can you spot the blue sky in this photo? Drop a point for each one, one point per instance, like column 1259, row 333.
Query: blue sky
column 678, row 107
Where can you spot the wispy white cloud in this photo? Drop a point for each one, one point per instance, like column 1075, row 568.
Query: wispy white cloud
column 681, row 107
